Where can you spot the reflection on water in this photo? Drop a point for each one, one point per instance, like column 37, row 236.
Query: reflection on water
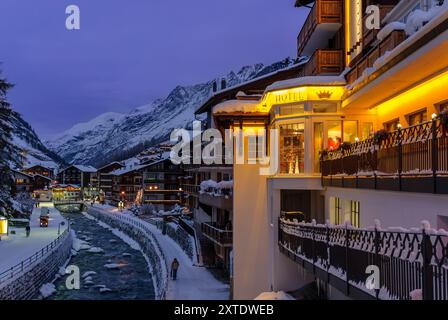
column 112, row 270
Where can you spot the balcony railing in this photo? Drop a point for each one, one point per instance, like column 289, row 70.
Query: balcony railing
column 324, row 62
column 323, row 11
column 217, row 234
column 369, row 35
column 410, row 159
column 407, row 261
column 191, row 188
column 366, row 61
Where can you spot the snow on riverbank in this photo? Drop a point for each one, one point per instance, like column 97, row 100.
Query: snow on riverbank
column 18, row 247
column 194, row 282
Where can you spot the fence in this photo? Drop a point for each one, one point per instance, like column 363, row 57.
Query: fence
column 26, row 264
column 407, row 260
column 420, row 150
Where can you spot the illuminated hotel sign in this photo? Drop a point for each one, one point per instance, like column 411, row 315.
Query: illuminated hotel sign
column 301, row 94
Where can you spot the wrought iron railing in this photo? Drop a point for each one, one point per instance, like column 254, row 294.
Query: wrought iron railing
column 416, row 151
column 24, row 265
column 408, row 260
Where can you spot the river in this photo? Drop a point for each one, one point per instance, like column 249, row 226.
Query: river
column 128, row 279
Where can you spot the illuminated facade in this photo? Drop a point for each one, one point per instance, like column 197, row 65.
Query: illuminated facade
column 360, row 148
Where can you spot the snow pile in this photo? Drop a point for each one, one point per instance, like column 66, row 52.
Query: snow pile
column 242, row 106
column 384, row 32
column 214, row 188
column 47, row 290
column 416, row 294
column 280, row 295
column 95, row 250
column 418, row 18
column 307, row 81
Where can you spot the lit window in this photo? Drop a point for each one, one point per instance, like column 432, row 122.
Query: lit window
column 392, row 125
column 417, row 117
column 350, row 131
column 291, row 109
column 338, row 219
column 442, row 107
column 366, row 130
column 354, row 213
column 325, row 107
column 292, row 148
column 334, row 134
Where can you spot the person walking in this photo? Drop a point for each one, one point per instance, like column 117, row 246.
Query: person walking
column 28, row 230
column 174, row 268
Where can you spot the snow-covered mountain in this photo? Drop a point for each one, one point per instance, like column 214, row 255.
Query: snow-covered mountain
column 32, row 149
column 109, row 134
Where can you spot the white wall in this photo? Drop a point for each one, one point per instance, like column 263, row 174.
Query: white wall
column 393, row 209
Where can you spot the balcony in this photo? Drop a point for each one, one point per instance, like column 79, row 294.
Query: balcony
column 224, row 202
column 362, row 63
column 340, row 255
column 413, row 159
column 217, row 234
column 191, row 189
column 322, row 23
column 369, row 35
column 324, row 62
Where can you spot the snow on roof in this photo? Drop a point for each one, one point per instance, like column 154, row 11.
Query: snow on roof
column 134, row 167
column 39, row 175
column 307, row 81
column 83, row 168
column 243, row 106
column 23, row 173
column 109, row 164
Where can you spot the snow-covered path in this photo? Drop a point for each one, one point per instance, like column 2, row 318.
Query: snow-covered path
column 193, row 282
column 16, row 248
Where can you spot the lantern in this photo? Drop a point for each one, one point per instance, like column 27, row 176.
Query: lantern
column 3, row 226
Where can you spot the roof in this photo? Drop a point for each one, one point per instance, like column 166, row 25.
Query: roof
column 125, row 170
column 303, row 3
column 110, row 164
column 80, row 167
column 307, row 81
column 39, row 175
column 243, row 106
column 257, row 84
column 22, row 173
column 38, row 165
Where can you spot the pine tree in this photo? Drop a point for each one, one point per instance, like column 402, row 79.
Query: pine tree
column 8, row 152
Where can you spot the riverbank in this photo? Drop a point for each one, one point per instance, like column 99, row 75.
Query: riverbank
column 193, row 283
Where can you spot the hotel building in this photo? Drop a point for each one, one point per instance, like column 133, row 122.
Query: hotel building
column 360, row 152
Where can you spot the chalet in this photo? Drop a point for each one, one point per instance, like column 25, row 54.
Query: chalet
column 157, row 183
column 23, row 182
column 40, row 170
column 360, row 142
column 77, row 175
column 103, row 179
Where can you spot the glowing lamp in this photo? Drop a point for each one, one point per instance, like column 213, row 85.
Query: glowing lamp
column 434, row 116
column 180, row 189
column 356, row 139
column 3, row 226
column 399, row 126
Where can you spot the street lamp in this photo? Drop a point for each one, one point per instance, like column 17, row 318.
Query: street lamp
column 3, row 226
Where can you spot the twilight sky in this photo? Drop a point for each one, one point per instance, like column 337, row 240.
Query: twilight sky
column 129, row 52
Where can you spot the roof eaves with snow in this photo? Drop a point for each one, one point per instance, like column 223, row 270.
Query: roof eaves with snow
column 258, row 84
column 307, row 81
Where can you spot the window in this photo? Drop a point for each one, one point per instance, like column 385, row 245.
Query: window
column 417, row 117
column 318, row 144
column 20, row 181
column 350, row 131
column 292, row 148
column 442, row 107
column 392, row 125
column 334, row 134
column 325, row 107
column 354, row 213
column 286, row 110
column 366, row 130
column 337, row 211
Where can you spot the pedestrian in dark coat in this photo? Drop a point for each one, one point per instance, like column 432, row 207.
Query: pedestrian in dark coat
column 174, row 268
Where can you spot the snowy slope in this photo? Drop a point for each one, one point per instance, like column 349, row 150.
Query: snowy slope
column 32, row 149
column 111, row 133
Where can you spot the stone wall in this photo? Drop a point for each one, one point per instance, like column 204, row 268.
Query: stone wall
column 25, row 285
column 139, row 232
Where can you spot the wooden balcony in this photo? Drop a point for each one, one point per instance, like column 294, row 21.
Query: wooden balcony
column 217, row 234
column 324, row 62
column 323, row 21
column 367, row 61
column 413, row 159
column 191, row 189
column 369, row 35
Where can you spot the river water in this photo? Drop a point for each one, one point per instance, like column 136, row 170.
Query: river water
column 128, row 279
